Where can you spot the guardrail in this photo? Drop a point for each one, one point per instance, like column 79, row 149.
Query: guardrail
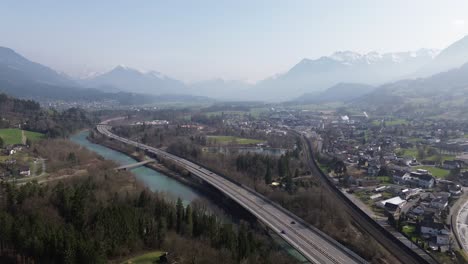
column 287, row 212
column 294, row 217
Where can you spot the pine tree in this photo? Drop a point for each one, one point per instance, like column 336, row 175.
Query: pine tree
column 179, row 215
column 243, row 246
column 289, row 183
column 162, row 230
column 188, row 221
column 268, row 175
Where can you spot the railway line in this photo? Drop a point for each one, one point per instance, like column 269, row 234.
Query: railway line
column 399, row 250
column 314, row 245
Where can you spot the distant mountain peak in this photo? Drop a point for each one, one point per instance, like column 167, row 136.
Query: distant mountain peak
column 346, row 56
column 156, row 74
column 15, row 66
column 122, row 67
column 449, row 58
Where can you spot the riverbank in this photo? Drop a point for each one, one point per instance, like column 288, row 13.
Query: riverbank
column 217, row 201
column 157, row 166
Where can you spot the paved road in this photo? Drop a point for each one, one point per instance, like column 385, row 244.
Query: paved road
column 134, row 165
column 310, row 242
column 462, row 226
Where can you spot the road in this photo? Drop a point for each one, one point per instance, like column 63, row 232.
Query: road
column 134, row 165
column 314, row 245
column 461, row 226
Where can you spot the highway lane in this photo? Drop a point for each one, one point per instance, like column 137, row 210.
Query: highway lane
column 314, row 245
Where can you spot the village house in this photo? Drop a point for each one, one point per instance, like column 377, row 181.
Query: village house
column 420, row 178
column 451, row 165
column 25, row 171
column 431, row 228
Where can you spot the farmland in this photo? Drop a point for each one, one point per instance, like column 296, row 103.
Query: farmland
column 12, row 136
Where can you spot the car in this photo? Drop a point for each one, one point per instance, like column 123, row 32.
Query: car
column 293, row 222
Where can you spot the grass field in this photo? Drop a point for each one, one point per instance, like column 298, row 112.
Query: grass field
column 148, row 258
column 13, row 135
column 436, row 172
column 33, row 136
column 10, row 136
column 413, row 152
column 236, row 140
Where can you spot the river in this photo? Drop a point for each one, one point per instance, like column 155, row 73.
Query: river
column 154, row 180
column 159, row 182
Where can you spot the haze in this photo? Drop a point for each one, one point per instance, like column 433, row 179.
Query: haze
column 241, row 40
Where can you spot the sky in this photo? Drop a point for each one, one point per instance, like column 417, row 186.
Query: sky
column 196, row 40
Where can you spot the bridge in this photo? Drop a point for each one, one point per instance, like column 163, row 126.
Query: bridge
column 314, row 245
column 134, row 165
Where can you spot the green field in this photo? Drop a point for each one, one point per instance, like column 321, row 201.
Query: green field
column 413, row 152
column 436, row 172
column 12, row 136
column 236, row 140
column 148, row 258
column 393, row 122
column 33, row 136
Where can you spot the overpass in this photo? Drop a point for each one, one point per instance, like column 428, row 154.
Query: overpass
column 134, row 165
column 314, row 245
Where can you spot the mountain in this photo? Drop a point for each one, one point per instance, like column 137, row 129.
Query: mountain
column 342, row 92
column 130, row 80
column 17, row 69
column 315, row 75
column 449, row 58
column 221, row 89
column 446, row 91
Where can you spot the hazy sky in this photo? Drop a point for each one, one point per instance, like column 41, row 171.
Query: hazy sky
column 238, row 39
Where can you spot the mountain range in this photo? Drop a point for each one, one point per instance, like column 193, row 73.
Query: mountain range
column 123, row 78
column 344, row 74
column 23, row 78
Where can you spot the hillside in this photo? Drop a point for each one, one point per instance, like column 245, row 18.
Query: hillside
column 444, row 94
column 342, row 92
column 342, row 67
column 452, row 57
column 19, row 70
column 28, row 115
column 131, row 80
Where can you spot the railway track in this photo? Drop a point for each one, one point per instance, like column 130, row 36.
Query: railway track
column 399, row 250
column 311, row 243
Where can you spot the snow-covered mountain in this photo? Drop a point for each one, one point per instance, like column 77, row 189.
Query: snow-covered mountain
column 452, row 57
column 127, row 79
column 311, row 75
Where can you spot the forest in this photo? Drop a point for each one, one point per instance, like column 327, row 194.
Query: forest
column 29, row 115
column 106, row 216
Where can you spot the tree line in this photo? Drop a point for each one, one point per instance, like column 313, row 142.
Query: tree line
column 72, row 224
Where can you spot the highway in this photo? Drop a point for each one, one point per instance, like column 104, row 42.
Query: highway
column 314, row 245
